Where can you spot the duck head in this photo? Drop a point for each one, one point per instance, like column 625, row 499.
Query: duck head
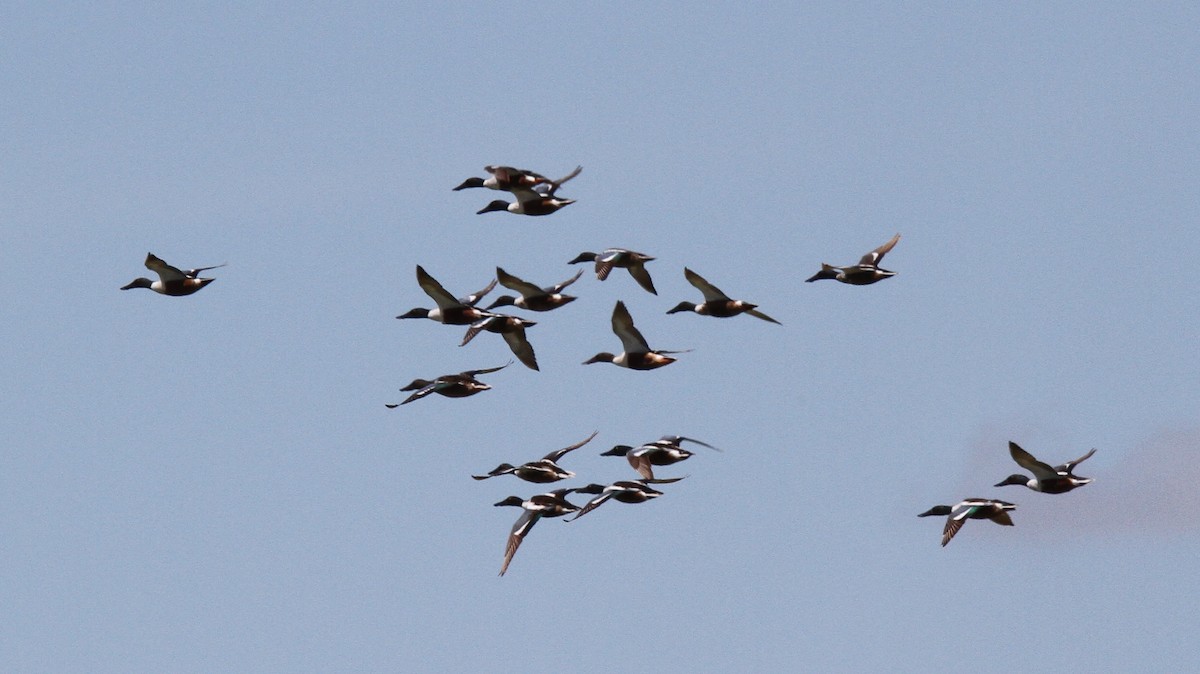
column 502, row 301
column 1013, row 479
column 583, row 257
column 682, row 306
column 497, row 205
column 469, row 182
column 419, row 312
column 511, row 501
column 140, row 282
column 619, row 450
column 602, row 357
column 937, row 510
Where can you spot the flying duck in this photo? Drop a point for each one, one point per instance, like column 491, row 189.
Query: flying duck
column 625, row 491
column 532, row 297
column 450, row 310
column 550, row 504
column 637, row 354
column 512, row 329
column 171, row 280
column 609, row 258
column 972, row 508
column 866, row 272
column 1056, row 480
column 545, row 469
column 509, row 179
column 662, row 452
column 458, row 385
column 717, row 303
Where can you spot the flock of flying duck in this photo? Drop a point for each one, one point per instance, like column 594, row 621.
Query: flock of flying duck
column 536, row 195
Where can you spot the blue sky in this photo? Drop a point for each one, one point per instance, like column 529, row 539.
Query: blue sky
column 212, row 483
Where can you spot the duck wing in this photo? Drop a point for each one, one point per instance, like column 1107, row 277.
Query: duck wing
column 559, row 453
column 1040, row 470
column 555, row 184
column 524, row 523
column 873, row 258
column 593, row 504
column 435, row 290
column 526, row 288
column 622, row 324
column 165, row 271
column 711, row 292
column 521, row 347
column 1069, row 466
column 473, row 299
column 193, row 273
column 473, row 373
column 758, row 314
column 560, row 286
column 638, row 271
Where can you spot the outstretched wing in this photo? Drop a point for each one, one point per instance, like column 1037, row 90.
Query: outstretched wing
column 558, row 288
column 711, row 292
column 165, row 271
column 874, row 257
column 1040, row 470
column 1069, row 466
column 473, row 373
column 524, row 523
column 435, row 290
column 622, row 324
column 559, row 453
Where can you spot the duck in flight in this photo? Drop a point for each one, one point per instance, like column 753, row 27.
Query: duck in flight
column 450, row 309
column 171, row 280
column 533, row 298
column 625, row 491
column 866, row 272
column 971, row 508
column 515, row 180
column 637, row 354
column 512, row 329
column 550, row 504
column 665, row 451
column 545, row 469
column 717, row 303
column 458, row 385
column 611, row 258
column 1057, row 480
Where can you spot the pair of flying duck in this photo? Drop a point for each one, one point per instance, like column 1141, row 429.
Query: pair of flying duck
column 664, row 451
column 534, row 192
column 452, row 310
column 1046, row 479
